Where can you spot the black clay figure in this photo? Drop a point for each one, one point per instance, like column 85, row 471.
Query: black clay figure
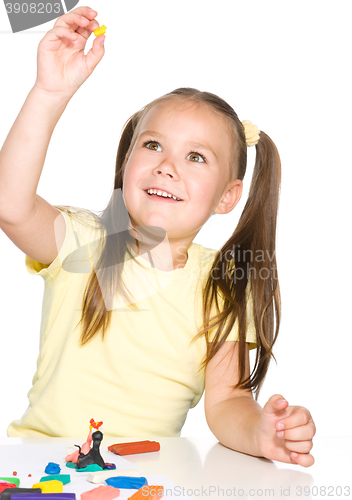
column 93, row 456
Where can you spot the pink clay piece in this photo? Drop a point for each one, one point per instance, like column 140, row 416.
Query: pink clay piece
column 73, row 457
column 101, row 493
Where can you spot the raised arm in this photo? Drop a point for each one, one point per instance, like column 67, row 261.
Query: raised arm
column 62, row 67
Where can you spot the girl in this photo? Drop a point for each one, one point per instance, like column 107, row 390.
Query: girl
column 139, row 368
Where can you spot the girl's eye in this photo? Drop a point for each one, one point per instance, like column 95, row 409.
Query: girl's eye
column 152, row 145
column 193, row 156
column 196, row 157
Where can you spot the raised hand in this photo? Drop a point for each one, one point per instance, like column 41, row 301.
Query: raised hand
column 284, row 433
column 62, row 66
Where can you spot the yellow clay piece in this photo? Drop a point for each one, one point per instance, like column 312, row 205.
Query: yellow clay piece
column 50, row 486
column 100, row 31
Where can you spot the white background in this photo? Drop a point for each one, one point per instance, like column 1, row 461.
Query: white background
column 285, row 66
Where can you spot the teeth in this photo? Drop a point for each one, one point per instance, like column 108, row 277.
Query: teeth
column 162, row 193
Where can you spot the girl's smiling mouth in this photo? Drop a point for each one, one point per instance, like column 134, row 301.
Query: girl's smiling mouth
column 160, row 197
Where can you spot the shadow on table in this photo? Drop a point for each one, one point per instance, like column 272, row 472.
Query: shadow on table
column 227, row 473
column 257, row 477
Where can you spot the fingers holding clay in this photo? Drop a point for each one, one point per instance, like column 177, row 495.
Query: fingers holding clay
column 100, row 31
column 77, row 18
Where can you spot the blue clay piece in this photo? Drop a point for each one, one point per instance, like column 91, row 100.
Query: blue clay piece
column 52, row 468
column 109, row 466
column 126, row 482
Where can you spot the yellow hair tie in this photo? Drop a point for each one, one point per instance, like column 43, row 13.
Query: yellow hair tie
column 251, row 133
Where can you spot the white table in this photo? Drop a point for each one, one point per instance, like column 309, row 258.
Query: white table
column 205, row 468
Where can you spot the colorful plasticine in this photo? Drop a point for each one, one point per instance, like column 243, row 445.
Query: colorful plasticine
column 109, row 466
column 50, row 486
column 6, row 494
column 101, row 493
column 100, row 31
column 13, row 480
column 73, row 457
column 134, row 447
column 99, row 477
column 90, row 468
column 126, row 482
column 52, row 468
column 93, row 456
column 5, row 485
column 150, row 492
column 85, row 454
column 93, row 424
column 64, row 478
column 39, row 496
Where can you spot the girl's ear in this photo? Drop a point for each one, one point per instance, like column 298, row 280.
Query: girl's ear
column 230, row 198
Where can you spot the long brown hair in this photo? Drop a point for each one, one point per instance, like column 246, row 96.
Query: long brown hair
column 246, row 264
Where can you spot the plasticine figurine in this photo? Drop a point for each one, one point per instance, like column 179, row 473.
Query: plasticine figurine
column 73, row 457
column 93, row 456
column 86, row 455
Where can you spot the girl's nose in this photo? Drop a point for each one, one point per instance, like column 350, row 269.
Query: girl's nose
column 168, row 167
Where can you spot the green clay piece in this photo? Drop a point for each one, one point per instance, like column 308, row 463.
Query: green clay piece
column 11, row 480
column 71, row 465
column 90, row 468
column 64, row 478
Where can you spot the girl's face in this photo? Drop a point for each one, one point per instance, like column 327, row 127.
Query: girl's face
column 183, row 149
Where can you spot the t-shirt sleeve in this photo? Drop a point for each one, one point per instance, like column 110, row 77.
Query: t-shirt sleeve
column 73, row 257
column 206, row 260
column 251, row 335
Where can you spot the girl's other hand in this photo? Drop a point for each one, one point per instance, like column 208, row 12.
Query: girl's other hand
column 62, row 66
column 284, row 430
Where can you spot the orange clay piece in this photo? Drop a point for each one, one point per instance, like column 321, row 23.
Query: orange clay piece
column 100, row 31
column 134, row 447
column 150, row 492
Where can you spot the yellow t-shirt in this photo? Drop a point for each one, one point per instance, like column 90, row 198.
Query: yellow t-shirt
column 142, row 379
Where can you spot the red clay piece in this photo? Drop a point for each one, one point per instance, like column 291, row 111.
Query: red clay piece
column 101, row 493
column 14, row 473
column 150, row 492
column 4, row 486
column 134, row 447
